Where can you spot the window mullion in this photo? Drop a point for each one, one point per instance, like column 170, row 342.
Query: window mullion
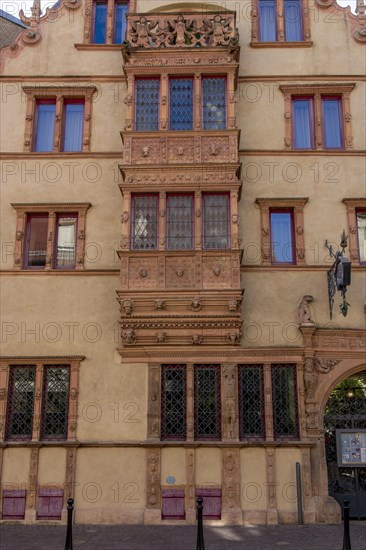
column 38, row 398
column 164, row 90
column 110, row 21
column 58, row 123
column 72, row 404
column 197, row 225
column 318, row 121
column 4, row 384
column 268, row 402
column 280, row 21
column 51, row 241
column 346, row 121
column 197, row 103
column 190, row 402
column 161, row 226
column 126, row 236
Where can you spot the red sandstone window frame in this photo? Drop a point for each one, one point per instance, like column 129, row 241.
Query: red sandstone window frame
column 60, row 95
column 312, row 121
column 40, row 364
column 353, row 206
column 110, row 25
column 297, row 207
column 319, row 92
column 25, row 211
column 292, row 229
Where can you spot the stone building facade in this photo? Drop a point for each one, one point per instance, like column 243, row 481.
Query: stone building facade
column 170, row 172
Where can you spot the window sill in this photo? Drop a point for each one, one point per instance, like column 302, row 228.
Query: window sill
column 98, row 47
column 300, row 44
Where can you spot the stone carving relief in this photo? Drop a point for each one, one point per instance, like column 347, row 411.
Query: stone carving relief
column 153, row 478
column 143, row 272
column 196, row 304
column 127, row 307
column 231, row 479
column 229, row 416
column 304, row 313
column 325, row 365
column 129, row 336
column 310, row 378
column 159, row 304
column 153, row 413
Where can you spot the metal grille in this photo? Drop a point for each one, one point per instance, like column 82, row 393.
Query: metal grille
column 55, row 402
column 251, row 401
column 144, row 222
column 180, row 222
column 173, row 402
column 147, row 104
column 215, row 221
column 214, row 103
column 207, row 402
column 181, row 103
column 19, row 423
column 284, row 395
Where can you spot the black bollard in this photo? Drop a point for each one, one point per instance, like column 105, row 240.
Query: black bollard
column 346, row 538
column 200, row 541
column 70, row 509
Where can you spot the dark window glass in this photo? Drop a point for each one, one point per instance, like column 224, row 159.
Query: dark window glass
column 282, row 245
column 181, row 103
column 144, row 230
column 55, row 402
column 73, row 130
column 267, row 21
column 293, row 20
column 284, row 396
column 66, row 240
column 303, row 123
column 173, row 402
column 361, row 231
column 207, row 402
column 100, row 23
column 120, row 22
column 180, row 222
column 20, row 402
column 216, row 221
column 251, row 401
column 45, row 126
column 332, row 123
column 214, row 103
column 147, row 104
column 36, row 245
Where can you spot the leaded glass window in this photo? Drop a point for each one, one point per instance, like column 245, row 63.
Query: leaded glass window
column 284, row 396
column 55, row 402
column 207, row 402
column 173, row 402
column 215, row 221
column 214, row 103
column 251, row 401
column 147, row 104
column 180, row 222
column 181, row 103
column 144, row 230
column 21, row 402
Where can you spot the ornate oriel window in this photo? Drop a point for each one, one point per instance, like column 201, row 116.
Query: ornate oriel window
column 147, row 104
column 317, row 116
column 40, row 398
column 216, row 217
column 214, row 103
column 280, row 23
column 58, row 118
column 181, row 103
column 180, row 221
column 356, row 213
column 144, row 227
column 282, row 230
column 50, row 236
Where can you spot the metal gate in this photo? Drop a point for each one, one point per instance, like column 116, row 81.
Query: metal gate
column 346, row 409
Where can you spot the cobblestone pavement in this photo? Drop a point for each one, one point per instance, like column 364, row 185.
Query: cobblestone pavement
column 139, row 537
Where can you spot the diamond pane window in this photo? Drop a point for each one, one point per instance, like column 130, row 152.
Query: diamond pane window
column 251, row 401
column 180, row 222
column 215, row 221
column 66, row 241
column 214, row 103
column 144, row 230
column 207, row 402
column 181, row 103
column 19, row 423
column 284, row 395
column 55, row 402
column 36, row 241
column 147, row 104
column 173, row 402
column 361, row 231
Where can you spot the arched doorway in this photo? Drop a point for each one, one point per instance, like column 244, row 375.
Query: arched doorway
column 345, row 442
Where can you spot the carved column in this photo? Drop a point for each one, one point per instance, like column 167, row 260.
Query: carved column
column 190, row 402
column 308, row 501
column 37, row 403
column 88, row 18
column 300, row 241
column 4, row 377
column 231, row 101
column 280, row 21
column 73, row 401
column 58, row 122
column 268, row 406
column 255, row 21
column 230, row 466
column 31, row 499
column 190, row 499
column 87, row 121
column 51, row 235
column 153, row 486
column 352, row 226
column 197, row 108
column 306, row 20
column 19, row 239
column 234, row 222
column 80, row 243
column 229, row 403
column 164, row 94
column 110, row 22
column 348, row 139
column 69, row 491
column 153, row 405
column 272, row 514
column 29, row 124
column 126, row 235
column 129, row 100
column 318, row 121
column 198, row 221
column 266, row 239
column 162, row 220
column 288, row 121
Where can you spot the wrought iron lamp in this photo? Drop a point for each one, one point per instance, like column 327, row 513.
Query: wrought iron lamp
column 339, row 275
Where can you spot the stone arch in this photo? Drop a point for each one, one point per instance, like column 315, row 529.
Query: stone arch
column 193, row 7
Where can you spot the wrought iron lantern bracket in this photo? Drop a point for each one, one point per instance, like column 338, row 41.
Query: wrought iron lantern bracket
column 339, row 275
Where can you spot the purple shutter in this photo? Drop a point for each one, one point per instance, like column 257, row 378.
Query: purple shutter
column 13, row 504
column 50, row 504
column 211, row 502
column 173, row 504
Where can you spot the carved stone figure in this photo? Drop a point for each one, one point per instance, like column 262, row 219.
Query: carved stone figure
column 325, row 365
column 304, row 314
column 196, row 304
column 196, row 339
column 229, row 377
column 230, row 417
column 129, row 336
column 233, row 304
column 127, row 306
column 160, row 337
column 159, row 304
column 310, row 378
column 311, row 415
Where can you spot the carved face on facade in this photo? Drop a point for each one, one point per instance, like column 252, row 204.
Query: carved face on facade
column 127, row 306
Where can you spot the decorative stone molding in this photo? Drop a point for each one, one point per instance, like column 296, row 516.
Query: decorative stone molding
column 59, row 93
column 32, row 488
column 297, row 204
column 230, row 414
column 153, row 480
column 153, row 407
column 231, row 484
column 272, row 514
column 316, row 90
column 190, row 485
column 70, row 474
column 323, row 366
column 23, row 210
column 352, row 205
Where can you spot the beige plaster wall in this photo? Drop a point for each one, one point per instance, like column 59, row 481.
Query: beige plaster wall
column 15, row 470
column 173, row 463
column 52, row 466
column 110, row 485
column 286, row 479
column 253, row 479
column 207, row 467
